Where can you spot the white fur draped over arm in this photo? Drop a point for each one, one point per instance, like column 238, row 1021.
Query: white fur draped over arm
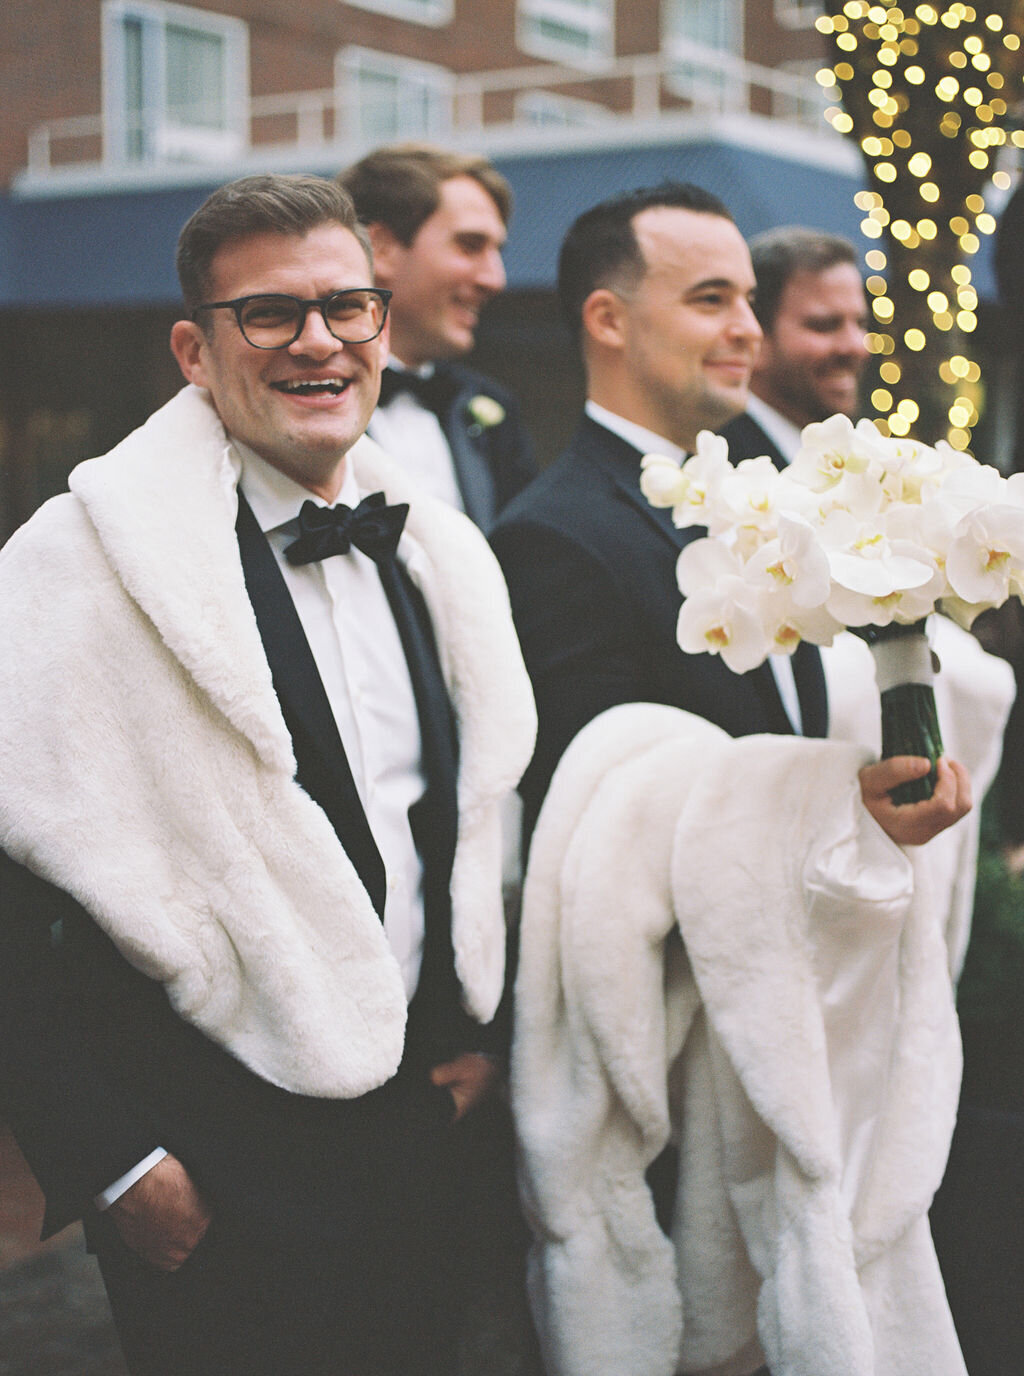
column 800, row 1226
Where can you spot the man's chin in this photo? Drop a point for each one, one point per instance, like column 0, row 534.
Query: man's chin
column 838, row 403
column 723, row 407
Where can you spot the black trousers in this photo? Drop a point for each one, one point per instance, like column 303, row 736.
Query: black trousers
column 245, row 1309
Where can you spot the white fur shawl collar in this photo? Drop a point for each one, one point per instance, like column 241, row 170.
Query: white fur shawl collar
column 147, row 769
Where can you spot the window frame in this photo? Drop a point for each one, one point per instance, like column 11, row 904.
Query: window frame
column 437, row 81
column 713, row 84
column 601, row 30
column 161, row 138
column 532, row 109
column 434, row 14
column 796, row 14
column 807, row 110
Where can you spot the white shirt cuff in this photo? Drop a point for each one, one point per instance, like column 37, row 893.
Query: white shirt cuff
column 118, row 1188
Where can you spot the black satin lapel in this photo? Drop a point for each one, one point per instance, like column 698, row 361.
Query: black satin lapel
column 322, row 769
column 296, row 677
column 621, row 462
column 472, row 471
column 811, row 690
column 434, row 819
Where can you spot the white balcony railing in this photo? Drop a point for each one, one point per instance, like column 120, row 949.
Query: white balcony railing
column 685, row 79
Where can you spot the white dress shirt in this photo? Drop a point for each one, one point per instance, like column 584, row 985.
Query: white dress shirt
column 348, row 622
column 782, row 432
column 413, row 434
column 650, row 443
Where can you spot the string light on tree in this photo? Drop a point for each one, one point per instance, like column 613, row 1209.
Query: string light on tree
column 926, row 91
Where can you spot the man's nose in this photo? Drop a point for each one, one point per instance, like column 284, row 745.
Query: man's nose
column 315, row 339
column 491, row 273
column 744, row 323
column 854, row 340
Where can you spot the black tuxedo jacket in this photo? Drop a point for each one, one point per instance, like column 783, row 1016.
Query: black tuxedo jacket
column 590, row 566
column 748, row 441
column 491, row 462
column 96, row 1069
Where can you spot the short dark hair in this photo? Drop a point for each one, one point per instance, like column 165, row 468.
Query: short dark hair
column 778, row 254
column 279, row 204
column 400, row 185
column 601, row 246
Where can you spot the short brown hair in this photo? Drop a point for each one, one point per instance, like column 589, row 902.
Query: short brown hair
column 279, row 204
column 400, row 185
column 778, row 254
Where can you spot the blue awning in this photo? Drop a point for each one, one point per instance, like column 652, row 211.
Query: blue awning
column 116, row 248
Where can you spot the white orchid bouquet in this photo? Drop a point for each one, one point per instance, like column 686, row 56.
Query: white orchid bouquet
column 861, row 531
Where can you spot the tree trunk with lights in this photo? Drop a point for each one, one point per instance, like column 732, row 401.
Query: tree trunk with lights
column 928, row 93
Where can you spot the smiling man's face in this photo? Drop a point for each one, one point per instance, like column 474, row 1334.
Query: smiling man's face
column 301, row 408
column 445, row 277
column 689, row 334
column 814, row 354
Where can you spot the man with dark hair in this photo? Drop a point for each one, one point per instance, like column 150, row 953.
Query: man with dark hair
column 438, row 221
column 811, row 306
column 658, row 826
column 657, row 285
column 262, row 705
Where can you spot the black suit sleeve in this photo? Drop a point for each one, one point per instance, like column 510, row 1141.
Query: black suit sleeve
column 572, row 621
column 70, row 1119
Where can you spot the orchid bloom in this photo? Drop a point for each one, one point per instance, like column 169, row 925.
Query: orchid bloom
column 662, row 480
column 719, row 614
column 717, row 621
column 789, row 624
column 749, row 499
column 794, row 561
column 986, row 557
column 829, row 451
column 689, row 488
column 863, row 557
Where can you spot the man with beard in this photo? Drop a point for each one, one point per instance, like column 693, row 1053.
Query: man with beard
column 812, row 310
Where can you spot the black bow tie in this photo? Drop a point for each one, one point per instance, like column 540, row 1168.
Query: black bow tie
column 374, row 527
column 435, row 392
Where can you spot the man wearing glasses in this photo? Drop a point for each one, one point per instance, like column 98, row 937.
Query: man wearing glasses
column 252, row 928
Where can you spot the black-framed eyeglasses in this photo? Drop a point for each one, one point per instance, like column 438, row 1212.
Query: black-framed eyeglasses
column 354, row 315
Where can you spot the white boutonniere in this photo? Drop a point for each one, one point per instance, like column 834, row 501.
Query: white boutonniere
column 485, row 413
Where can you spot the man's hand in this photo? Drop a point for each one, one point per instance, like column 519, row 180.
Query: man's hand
column 912, row 824
column 162, row 1217
column 470, row 1078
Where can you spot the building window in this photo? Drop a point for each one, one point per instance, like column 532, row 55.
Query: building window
column 175, row 82
column 434, row 12
column 382, row 97
column 806, row 102
column 703, row 40
column 798, row 14
column 545, row 110
column 577, row 32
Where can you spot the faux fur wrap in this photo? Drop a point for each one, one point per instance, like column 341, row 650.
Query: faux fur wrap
column 657, row 825
column 147, row 770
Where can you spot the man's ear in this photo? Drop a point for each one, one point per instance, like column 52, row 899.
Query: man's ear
column 603, row 317
column 386, row 250
column 187, row 341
